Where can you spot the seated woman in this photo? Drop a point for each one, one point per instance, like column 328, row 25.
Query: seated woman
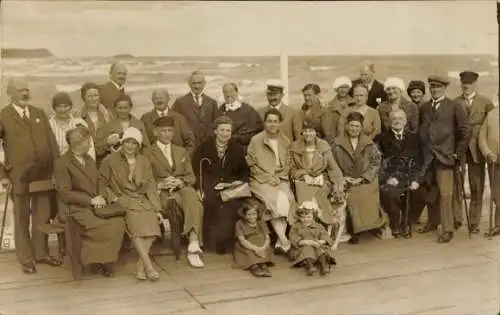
column 269, row 161
column 126, row 180
column 63, row 121
column 76, row 178
column 220, row 161
column 315, row 173
column 92, row 111
column 108, row 137
column 252, row 250
column 371, row 123
column 246, row 121
column 359, row 160
column 174, row 174
column 311, row 243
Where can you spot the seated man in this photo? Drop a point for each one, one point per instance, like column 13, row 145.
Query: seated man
column 400, row 170
column 76, row 183
column 174, row 174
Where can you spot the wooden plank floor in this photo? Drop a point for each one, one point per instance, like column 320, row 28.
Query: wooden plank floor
column 414, row 276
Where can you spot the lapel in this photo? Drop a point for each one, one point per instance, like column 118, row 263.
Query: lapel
column 281, row 148
column 158, row 153
column 89, row 171
column 177, row 157
column 346, row 144
column 17, row 119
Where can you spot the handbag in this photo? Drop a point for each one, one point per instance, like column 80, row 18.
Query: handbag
column 110, row 211
column 236, row 192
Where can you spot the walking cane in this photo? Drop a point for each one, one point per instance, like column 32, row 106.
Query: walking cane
column 205, row 159
column 407, row 224
column 462, row 191
column 4, row 217
column 492, row 206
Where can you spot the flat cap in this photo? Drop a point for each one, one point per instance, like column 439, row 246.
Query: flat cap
column 468, row 77
column 165, row 121
column 438, row 79
column 275, row 84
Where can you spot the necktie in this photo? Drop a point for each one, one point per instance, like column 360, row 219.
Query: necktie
column 25, row 114
column 435, row 105
column 399, row 137
column 198, row 100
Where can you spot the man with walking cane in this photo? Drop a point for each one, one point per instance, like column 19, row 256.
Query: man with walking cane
column 30, row 150
column 444, row 131
column 489, row 144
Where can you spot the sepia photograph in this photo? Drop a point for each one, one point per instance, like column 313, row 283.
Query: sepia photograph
column 249, row 157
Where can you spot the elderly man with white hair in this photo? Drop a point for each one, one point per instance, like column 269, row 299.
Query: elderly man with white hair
column 342, row 99
column 395, row 87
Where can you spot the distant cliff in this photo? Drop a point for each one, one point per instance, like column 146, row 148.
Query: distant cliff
column 26, row 53
column 124, row 56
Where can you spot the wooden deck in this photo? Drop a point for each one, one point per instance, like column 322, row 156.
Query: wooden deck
column 414, row 276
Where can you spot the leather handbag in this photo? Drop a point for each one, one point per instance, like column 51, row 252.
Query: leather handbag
column 236, row 192
column 110, row 211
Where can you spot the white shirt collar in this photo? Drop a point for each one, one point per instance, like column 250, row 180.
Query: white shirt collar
column 21, row 110
column 164, row 112
column 198, row 98
column 278, row 107
column 119, row 87
column 167, row 151
column 397, row 133
column 437, row 100
column 471, row 96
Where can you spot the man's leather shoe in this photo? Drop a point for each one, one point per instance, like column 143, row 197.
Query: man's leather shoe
column 107, row 270
column 28, row 268
column 474, row 229
column 445, row 238
column 49, row 260
column 427, row 228
column 494, row 232
column 458, row 224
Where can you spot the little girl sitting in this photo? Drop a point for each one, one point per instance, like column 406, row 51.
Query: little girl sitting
column 252, row 250
column 311, row 244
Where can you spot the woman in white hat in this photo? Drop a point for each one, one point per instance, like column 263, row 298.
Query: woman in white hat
column 341, row 100
column 126, row 180
column 394, row 88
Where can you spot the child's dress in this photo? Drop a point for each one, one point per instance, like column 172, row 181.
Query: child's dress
column 314, row 232
column 245, row 258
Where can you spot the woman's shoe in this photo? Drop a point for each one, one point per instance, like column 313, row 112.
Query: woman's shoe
column 310, row 268
column 256, row 271
column 140, row 273
column 265, row 270
column 152, row 274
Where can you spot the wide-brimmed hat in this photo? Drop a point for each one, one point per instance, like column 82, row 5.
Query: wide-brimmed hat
column 132, row 133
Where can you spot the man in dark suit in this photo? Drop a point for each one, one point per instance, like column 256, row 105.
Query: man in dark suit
column 444, row 131
column 183, row 136
column 199, row 109
column 30, row 150
column 478, row 107
column 376, row 92
column 401, row 170
column 111, row 90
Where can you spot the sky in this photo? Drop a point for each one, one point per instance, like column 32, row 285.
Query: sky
column 142, row 28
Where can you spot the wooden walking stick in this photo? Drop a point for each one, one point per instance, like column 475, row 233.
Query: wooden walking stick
column 4, row 217
column 462, row 191
column 205, row 159
column 492, row 203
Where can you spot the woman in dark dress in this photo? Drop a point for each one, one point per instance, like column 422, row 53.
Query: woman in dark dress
column 246, row 121
column 219, row 160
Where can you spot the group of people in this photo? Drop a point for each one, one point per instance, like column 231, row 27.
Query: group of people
column 248, row 181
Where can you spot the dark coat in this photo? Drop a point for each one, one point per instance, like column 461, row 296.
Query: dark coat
column 109, row 93
column 444, row 132
column 246, row 122
column 400, row 159
column 199, row 118
column 183, row 136
column 30, row 147
column 377, row 91
column 477, row 112
column 220, row 217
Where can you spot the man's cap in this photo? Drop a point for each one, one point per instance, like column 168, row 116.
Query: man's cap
column 275, row 85
column 438, row 79
column 165, row 121
column 468, row 77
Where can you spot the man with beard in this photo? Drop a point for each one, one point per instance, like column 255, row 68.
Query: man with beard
column 183, row 136
column 376, row 93
column 111, row 90
column 313, row 110
column 478, row 106
column 199, row 109
column 274, row 94
column 30, row 150
column 444, row 131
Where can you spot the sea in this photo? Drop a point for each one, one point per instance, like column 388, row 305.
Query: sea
column 46, row 76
